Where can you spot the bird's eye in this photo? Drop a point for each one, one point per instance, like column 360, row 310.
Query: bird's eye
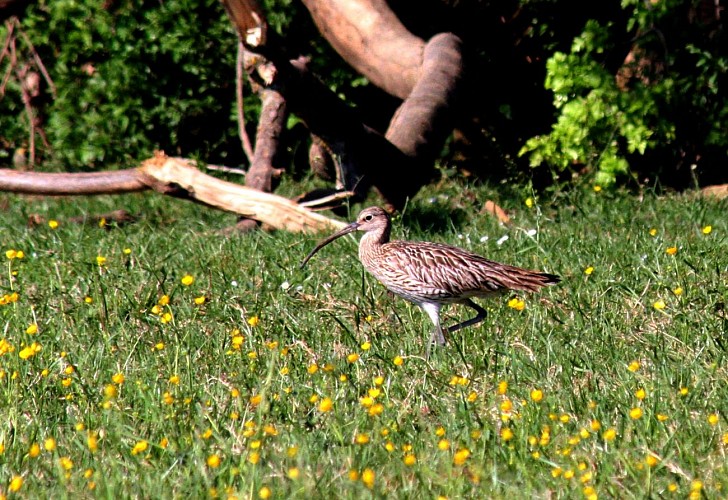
column 368, row 218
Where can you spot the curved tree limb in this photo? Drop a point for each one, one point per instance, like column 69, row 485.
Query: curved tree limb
column 179, row 178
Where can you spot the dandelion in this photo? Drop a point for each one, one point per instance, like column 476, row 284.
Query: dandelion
column 398, row 361
column 529, row 202
column 536, row 395
column 200, row 300
column 472, row 397
column 410, row 459
column 713, row 419
column 32, row 329
column 707, row 230
column 653, row 232
column 506, row 406
column 293, row 473
column 34, row 450
column 366, row 346
column 367, row 477
column 683, row 391
column 139, row 447
column 352, row 358
column 53, row 224
column 49, row 444
column 253, row 321
column 671, row 250
column 634, row 366
column 264, row 493
column 589, row 270
column 118, row 378
column 110, row 391
column 517, row 304
column 635, row 413
column 127, row 251
column 443, row 444
column 361, row 438
column 88, row 300
column 166, row 318
column 15, row 484
column 66, row 463
column 506, row 434
column 661, row 417
column 640, row 394
column 100, row 260
column 651, row 460
column 609, row 435
column 659, row 305
column 326, row 405
column 461, row 456
column 174, row 380
column 187, row 280
column 92, row 441
column 213, row 461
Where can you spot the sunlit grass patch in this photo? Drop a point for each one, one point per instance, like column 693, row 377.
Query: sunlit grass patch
column 200, row 364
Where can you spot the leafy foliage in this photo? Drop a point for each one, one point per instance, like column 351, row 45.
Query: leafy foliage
column 665, row 91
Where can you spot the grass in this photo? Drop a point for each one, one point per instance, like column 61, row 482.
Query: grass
column 120, row 378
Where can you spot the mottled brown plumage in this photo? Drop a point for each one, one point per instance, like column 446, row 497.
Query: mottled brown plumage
column 433, row 274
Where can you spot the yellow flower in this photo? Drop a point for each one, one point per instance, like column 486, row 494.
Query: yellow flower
column 166, row 318
column 293, row 473
column 110, row 391
column 707, row 229
column 661, row 417
column 671, row 250
column 684, row 391
column 506, row 434
column 653, row 232
column 609, row 435
column 517, row 304
column 640, row 394
column 502, row 387
column 536, row 395
column 253, row 321
column 589, row 270
column 32, row 329
column 53, row 224
column 174, row 379
column 361, row 438
column 677, row 291
column 659, row 305
column 366, row 346
column 49, row 444
column 100, row 260
column 634, row 366
column 443, row 444
column 127, row 251
column 410, row 459
column 200, row 300
column 66, row 463
column 92, row 441
column 15, row 483
column 326, row 405
column 398, row 361
column 264, row 493
column 651, row 460
column 713, row 419
column 352, row 358
column 30, row 351
column 187, row 280
column 118, row 378
column 139, row 447
column 506, row 405
column 34, row 450
column 461, row 456
column 213, row 461
column 88, row 300
column 635, row 413
column 368, row 477
column 597, row 188
column 529, row 202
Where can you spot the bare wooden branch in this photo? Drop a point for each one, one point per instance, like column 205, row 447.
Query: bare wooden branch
column 176, row 177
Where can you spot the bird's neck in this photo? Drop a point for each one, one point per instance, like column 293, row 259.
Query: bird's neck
column 371, row 242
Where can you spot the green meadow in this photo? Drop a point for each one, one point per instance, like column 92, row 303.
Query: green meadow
column 164, row 358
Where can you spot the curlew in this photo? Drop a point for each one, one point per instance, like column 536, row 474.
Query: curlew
column 433, row 274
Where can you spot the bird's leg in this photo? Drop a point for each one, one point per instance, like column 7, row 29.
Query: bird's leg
column 480, row 317
column 433, row 311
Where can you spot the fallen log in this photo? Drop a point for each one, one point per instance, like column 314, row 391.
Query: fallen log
column 177, row 177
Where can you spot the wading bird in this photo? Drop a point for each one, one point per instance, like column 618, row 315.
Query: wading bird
column 433, row 274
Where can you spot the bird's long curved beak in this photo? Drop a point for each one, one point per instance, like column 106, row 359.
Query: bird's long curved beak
column 346, row 230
